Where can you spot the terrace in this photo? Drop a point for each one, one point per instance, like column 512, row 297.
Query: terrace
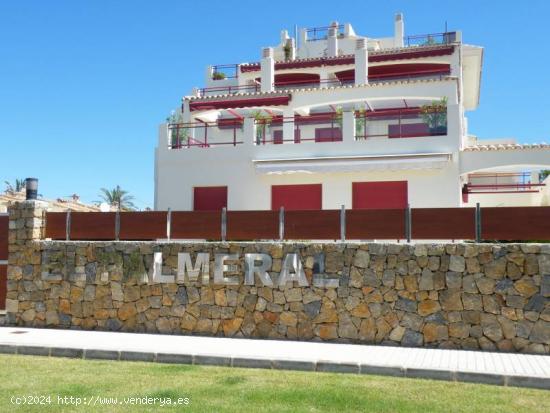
column 327, row 124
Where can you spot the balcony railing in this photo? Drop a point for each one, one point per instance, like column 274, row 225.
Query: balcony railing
column 325, row 83
column 205, row 134
column 230, row 71
column 430, row 39
column 321, row 33
column 315, row 128
column 399, row 123
column 325, row 127
column 503, row 182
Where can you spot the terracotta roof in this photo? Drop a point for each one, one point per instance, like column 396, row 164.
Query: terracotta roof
column 59, row 204
column 506, row 147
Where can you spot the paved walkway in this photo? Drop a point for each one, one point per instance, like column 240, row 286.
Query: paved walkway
column 455, row 365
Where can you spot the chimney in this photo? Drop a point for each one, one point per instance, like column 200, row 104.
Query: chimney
column 399, row 31
column 332, row 47
column 267, row 66
column 361, row 62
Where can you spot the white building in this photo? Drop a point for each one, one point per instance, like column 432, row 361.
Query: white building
column 333, row 118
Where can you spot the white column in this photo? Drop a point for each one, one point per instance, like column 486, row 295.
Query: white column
column 454, row 125
column 208, row 74
column 399, row 32
column 288, row 125
column 348, row 126
column 267, row 66
column 249, row 131
column 332, row 41
column 361, row 62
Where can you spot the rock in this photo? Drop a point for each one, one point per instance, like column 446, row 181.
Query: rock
column 544, row 264
column 28, row 315
column 486, row 285
column 412, row 339
column 288, row 319
column 459, row 330
column 435, row 332
column 397, row 333
column 472, row 301
column 231, row 327
column 361, row 311
column 405, row 304
column 356, row 278
column 181, row 296
column 457, row 263
column 496, row 269
column 361, row 259
column 428, row 307
column 411, row 321
column 515, row 301
column 312, row 309
column 116, row 292
column 450, row 300
column 453, row 280
column 535, row 303
column 388, row 278
column 491, row 327
column 334, row 262
column 293, row 295
column 526, row 287
column 540, row 332
column 126, row 311
column 346, row 329
column 426, row 280
column 508, row 327
column 328, row 331
column 504, row 286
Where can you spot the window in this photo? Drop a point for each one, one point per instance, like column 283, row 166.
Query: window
column 328, row 134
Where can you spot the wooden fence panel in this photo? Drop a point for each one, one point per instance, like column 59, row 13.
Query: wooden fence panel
column 196, row 225
column 93, row 225
column 4, row 225
column 375, row 224
column 252, row 225
column 147, row 225
column 3, row 286
column 318, row 224
column 515, row 223
column 443, row 223
column 56, row 225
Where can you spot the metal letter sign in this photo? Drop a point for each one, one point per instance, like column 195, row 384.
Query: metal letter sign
column 186, row 267
column 292, row 271
column 252, row 269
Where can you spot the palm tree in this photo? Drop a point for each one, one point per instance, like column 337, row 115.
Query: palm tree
column 118, row 198
column 17, row 186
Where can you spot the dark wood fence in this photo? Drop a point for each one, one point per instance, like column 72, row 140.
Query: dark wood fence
column 3, row 259
column 506, row 223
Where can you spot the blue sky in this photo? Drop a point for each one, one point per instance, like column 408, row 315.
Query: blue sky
column 84, row 84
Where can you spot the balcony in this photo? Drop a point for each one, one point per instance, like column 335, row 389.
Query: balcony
column 263, row 128
column 430, row 39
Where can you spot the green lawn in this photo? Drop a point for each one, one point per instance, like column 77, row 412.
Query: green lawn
column 217, row 389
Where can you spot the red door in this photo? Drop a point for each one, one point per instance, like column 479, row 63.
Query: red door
column 380, row 195
column 297, row 197
column 209, row 198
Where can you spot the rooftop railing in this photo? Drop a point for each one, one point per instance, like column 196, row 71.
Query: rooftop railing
column 503, row 182
column 430, row 39
column 321, row 33
column 205, row 134
column 230, row 71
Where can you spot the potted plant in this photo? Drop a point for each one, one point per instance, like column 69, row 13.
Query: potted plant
column 263, row 123
column 435, row 116
column 287, row 49
column 218, row 75
column 360, row 124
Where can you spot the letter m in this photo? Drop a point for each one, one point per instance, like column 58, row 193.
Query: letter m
column 185, row 267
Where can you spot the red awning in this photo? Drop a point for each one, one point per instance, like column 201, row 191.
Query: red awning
column 239, row 103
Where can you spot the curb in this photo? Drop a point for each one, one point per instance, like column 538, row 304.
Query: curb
column 281, row 364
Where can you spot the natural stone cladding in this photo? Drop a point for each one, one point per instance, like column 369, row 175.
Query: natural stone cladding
column 460, row 295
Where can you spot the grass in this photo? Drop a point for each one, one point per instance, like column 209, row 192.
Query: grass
column 218, row 389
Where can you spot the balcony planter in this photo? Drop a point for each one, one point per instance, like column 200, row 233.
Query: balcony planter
column 439, row 130
column 435, row 116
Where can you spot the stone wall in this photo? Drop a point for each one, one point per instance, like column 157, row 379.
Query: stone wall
column 472, row 296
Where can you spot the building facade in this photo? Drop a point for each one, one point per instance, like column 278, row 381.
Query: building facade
column 332, row 118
